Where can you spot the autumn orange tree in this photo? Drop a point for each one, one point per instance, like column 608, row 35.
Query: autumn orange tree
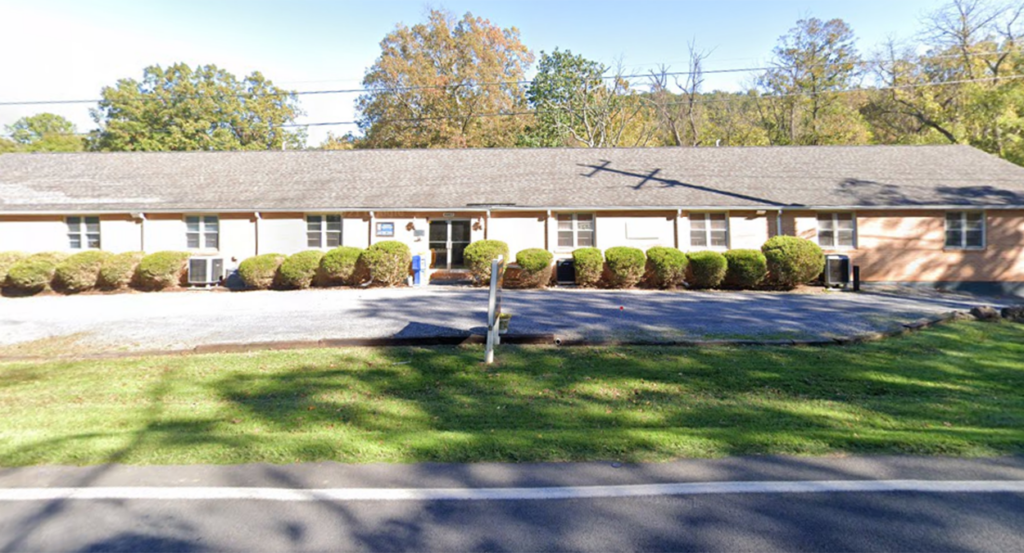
column 446, row 83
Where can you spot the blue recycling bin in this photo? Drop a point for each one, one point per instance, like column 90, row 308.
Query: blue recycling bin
column 417, row 270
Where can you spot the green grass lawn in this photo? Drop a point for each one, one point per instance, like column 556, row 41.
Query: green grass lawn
column 953, row 390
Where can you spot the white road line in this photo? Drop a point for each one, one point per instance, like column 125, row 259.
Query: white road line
column 494, row 494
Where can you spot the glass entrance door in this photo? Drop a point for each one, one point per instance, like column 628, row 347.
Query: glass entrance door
column 448, row 241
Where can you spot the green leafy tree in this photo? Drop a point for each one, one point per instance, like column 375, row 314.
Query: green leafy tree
column 963, row 89
column 347, row 141
column 44, row 132
column 206, row 108
column 445, row 83
column 577, row 102
column 8, row 146
column 813, row 64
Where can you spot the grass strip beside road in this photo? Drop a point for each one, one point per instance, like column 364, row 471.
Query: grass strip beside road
column 950, row 390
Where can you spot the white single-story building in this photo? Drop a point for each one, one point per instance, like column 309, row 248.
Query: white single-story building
column 934, row 215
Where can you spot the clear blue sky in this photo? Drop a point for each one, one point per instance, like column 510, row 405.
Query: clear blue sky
column 69, row 49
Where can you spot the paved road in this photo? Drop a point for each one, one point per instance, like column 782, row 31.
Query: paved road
column 184, row 320
column 828, row 521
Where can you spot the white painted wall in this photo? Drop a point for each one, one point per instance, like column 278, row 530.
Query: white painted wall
column 237, row 240
column 164, row 234
column 120, row 235
column 33, row 236
column 283, row 235
column 519, row 233
column 748, row 230
column 637, row 231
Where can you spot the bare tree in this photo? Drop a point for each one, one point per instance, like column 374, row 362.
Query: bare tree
column 674, row 112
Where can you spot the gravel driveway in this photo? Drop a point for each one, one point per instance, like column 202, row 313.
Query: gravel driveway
column 184, row 320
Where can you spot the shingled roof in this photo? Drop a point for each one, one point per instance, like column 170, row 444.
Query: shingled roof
column 762, row 178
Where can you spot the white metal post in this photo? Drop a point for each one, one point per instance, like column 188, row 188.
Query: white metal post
column 493, row 309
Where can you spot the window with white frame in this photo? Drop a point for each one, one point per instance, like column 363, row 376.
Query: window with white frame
column 965, row 230
column 575, row 230
column 709, row 230
column 837, row 230
column 323, row 231
column 84, row 233
column 202, row 232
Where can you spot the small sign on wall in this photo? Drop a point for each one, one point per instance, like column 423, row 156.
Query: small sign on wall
column 386, row 230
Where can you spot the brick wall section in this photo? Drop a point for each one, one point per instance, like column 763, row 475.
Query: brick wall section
column 908, row 246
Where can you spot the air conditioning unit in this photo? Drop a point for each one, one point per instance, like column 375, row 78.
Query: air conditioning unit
column 837, row 271
column 205, row 271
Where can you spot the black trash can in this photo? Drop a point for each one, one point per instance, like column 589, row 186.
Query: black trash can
column 565, row 271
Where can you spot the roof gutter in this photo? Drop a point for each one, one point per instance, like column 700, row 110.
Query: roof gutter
column 484, row 210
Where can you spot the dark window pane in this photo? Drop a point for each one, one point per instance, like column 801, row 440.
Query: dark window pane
column 92, row 224
column 826, row 238
column 210, row 240
column 75, row 241
column 953, row 239
column 75, row 224
column 565, row 239
column 93, row 240
column 585, row 239
column 439, row 231
column 313, row 239
column 211, row 222
column 845, row 238
column 954, row 221
column 192, row 224
column 825, row 222
column 719, row 239
column 460, row 231
column 975, row 222
column 975, row 239
column 334, row 222
column 193, row 240
column 333, row 239
column 313, row 223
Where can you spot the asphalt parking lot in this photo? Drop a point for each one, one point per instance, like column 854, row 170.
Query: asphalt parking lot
column 184, row 320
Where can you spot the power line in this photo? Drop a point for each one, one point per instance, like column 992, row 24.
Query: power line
column 498, row 83
column 700, row 100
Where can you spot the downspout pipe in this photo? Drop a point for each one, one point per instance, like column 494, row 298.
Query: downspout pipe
column 258, row 216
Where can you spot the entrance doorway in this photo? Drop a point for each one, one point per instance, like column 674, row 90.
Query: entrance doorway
column 448, row 241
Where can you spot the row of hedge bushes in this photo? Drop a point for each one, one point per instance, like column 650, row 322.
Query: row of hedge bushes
column 24, row 274
column 384, row 263
column 783, row 262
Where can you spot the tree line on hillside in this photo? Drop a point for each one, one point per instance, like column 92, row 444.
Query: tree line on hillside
column 454, row 82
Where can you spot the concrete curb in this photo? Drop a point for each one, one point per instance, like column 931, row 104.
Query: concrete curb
column 510, row 339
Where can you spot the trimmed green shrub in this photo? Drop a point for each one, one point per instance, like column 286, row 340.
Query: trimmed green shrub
column 161, row 270
column 299, row 270
column 534, row 268
column 79, row 272
column 589, row 266
column 118, row 271
column 259, row 272
column 479, row 255
column 666, row 267
column 625, row 266
column 340, row 266
column 792, row 261
column 34, row 273
column 746, row 268
column 388, row 262
column 7, row 260
column 707, row 269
